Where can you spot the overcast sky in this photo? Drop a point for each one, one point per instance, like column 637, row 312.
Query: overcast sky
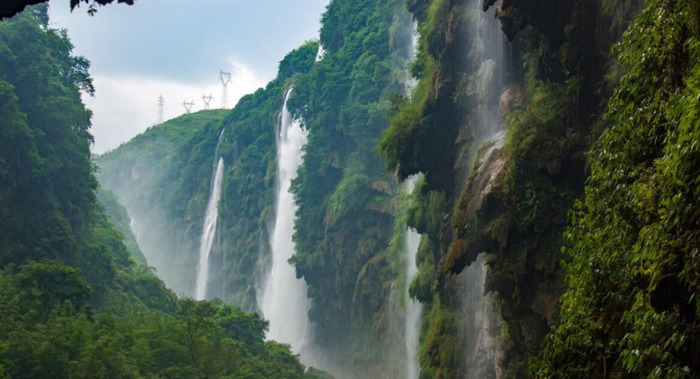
column 177, row 47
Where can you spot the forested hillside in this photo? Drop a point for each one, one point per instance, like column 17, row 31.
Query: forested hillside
column 75, row 304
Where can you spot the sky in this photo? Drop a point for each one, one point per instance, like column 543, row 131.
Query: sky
column 177, row 48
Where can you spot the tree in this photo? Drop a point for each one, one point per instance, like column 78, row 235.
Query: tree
column 9, row 8
column 198, row 318
column 47, row 284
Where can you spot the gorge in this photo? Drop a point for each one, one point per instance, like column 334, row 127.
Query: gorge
column 432, row 189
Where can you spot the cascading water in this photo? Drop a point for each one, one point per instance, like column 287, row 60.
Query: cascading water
column 284, row 302
column 321, row 53
column 482, row 319
column 491, row 52
column 412, row 82
column 413, row 307
column 209, row 227
column 483, row 324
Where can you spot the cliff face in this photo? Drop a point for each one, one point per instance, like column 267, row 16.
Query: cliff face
column 346, row 200
column 511, row 202
column 631, row 308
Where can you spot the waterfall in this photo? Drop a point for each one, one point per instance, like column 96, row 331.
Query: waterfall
column 413, row 307
column 284, row 303
column 209, row 227
column 321, row 53
column 482, row 353
column 412, row 82
column 491, row 58
column 482, row 319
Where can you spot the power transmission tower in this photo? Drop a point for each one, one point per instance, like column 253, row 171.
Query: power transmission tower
column 207, row 100
column 161, row 103
column 225, row 80
column 188, row 106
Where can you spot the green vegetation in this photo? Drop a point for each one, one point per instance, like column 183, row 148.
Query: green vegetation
column 163, row 176
column 73, row 302
column 631, row 307
column 48, row 331
column 558, row 85
column 345, row 217
column 165, row 191
column 121, row 222
column 610, row 133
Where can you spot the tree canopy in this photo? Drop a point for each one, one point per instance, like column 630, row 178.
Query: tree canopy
column 9, row 8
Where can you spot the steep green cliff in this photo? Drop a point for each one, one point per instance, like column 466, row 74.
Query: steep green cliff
column 513, row 205
column 121, row 221
column 345, row 219
column 631, row 306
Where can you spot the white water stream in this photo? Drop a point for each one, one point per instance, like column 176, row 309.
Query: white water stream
column 414, row 308
column 284, row 302
column 320, row 53
column 482, row 353
column 209, row 227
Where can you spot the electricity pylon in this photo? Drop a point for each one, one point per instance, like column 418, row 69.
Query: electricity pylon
column 225, row 80
column 188, row 106
column 207, row 100
column 161, row 103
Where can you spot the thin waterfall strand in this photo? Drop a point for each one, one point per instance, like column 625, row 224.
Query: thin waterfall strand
column 414, row 308
column 284, row 301
column 482, row 350
column 320, row 53
column 208, row 232
column 412, row 82
column 209, row 228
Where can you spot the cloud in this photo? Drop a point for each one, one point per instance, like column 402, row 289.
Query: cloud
column 125, row 106
column 188, row 39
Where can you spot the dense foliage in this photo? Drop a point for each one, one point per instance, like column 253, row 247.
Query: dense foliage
column 561, row 73
column 73, row 302
column 631, row 308
column 48, row 332
column 121, row 222
column 345, row 217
